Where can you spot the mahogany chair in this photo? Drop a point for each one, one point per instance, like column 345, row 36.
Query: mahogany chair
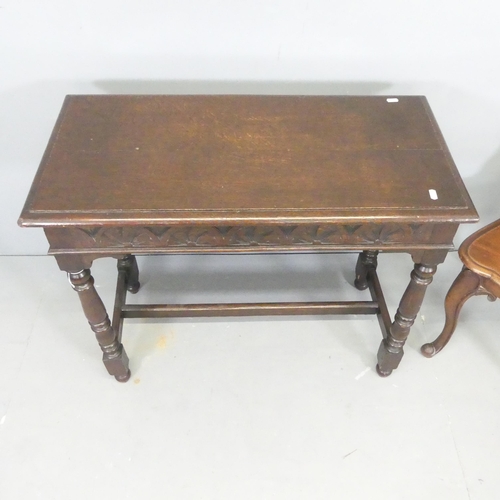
column 480, row 254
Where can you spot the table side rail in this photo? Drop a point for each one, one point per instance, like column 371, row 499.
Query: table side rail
column 272, row 238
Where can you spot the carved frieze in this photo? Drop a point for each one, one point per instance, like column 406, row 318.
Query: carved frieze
column 246, row 236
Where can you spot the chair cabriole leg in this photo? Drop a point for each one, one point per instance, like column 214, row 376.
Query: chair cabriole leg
column 466, row 285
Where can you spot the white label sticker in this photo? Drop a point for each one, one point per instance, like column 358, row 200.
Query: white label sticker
column 392, row 99
column 433, row 194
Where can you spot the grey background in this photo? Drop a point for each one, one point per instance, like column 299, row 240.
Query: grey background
column 438, row 48
column 246, row 408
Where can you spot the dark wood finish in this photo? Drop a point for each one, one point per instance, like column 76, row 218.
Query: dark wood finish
column 384, row 318
column 257, row 309
column 128, row 280
column 225, row 160
column 129, row 264
column 480, row 253
column 366, row 261
column 137, row 175
column 199, row 238
column 391, row 348
column 114, row 356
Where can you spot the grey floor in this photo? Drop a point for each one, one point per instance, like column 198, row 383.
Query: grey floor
column 281, row 408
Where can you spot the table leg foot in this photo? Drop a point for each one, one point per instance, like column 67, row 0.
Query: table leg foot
column 366, row 260
column 389, row 356
column 123, row 378
column 116, row 361
column 381, row 372
column 129, row 262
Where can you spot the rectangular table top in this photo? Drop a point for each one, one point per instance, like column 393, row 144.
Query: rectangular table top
column 176, row 159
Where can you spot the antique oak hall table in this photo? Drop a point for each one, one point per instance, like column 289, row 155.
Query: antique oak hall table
column 134, row 175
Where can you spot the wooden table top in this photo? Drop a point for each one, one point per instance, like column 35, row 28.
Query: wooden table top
column 130, row 159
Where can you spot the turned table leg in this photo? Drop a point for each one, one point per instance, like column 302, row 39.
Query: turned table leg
column 129, row 264
column 114, row 356
column 391, row 348
column 367, row 260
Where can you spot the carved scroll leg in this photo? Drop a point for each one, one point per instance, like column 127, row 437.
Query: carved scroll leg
column 366, row 260
column 114, row 356
column 466, row 285
column 391, row 348
column 129, row 263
